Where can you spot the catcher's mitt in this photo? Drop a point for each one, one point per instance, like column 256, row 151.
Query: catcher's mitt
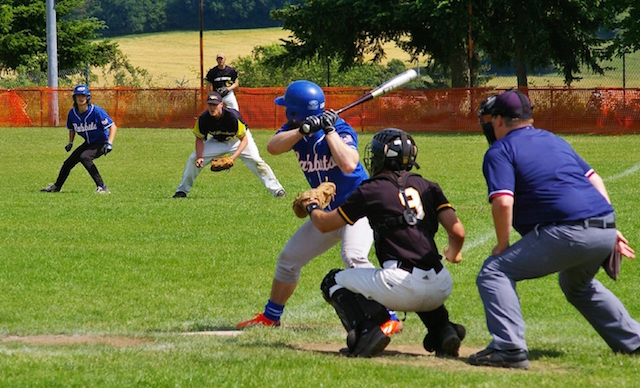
column 221, row 164
column 322, row 195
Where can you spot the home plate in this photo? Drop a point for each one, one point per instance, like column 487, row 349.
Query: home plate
column 220, row 333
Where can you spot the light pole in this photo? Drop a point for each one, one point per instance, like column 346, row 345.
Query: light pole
column 52, row 61
column 201, row 53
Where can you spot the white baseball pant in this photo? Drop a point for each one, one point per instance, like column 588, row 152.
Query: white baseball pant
column 250, row 156
column 231, row 101
column 397, row 289
column 308, row 242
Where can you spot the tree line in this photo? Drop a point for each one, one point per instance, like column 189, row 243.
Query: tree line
column 460, row 38
column 123, row 17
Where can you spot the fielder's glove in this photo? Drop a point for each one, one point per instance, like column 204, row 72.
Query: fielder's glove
column 223, row 91
column 321, row 195
column 221, row 164
column 68, row 147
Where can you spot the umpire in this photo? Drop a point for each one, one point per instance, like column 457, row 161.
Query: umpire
column 539, row 185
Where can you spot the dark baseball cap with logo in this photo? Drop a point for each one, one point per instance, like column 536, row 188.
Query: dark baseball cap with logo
column 214, row 98
column 512, row 103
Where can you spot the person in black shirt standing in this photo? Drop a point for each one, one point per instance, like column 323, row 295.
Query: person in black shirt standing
column 224, row 80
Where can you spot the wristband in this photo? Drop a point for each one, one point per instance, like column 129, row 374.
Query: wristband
column 328, row 130
column 311, row 207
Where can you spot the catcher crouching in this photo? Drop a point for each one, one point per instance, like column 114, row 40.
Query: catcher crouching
column 220, row 131
column 404, row 211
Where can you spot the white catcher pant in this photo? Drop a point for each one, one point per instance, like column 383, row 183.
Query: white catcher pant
column 250, row 156
column 397, row 289
column 308, row 242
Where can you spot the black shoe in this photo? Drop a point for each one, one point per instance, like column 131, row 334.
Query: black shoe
column 450, row 342
column 460, row 330
column 447, row 346
column 370, row 343
column 180, row 194
column 52, row 188
column 515, row 358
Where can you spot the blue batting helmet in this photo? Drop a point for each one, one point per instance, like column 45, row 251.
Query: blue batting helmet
column 302, row 99
column 82, row 90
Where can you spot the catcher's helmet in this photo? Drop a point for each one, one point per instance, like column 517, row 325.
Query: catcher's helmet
column 392, row 149
column 83, row 90
column 302, row 99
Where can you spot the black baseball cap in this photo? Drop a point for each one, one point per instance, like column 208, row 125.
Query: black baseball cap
column 512, row 103
column 214, row 98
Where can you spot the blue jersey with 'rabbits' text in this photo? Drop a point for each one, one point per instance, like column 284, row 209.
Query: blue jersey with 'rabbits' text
column 93, row 125
column 314, row 158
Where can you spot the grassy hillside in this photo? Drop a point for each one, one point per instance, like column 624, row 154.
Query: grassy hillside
column 173, row 58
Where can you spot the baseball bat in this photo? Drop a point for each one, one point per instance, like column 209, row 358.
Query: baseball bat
column 393, row 84
column 385, row 88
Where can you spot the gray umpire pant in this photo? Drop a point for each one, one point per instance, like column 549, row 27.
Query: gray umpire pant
column 576, row 253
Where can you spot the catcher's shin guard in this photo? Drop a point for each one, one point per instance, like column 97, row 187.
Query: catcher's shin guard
column 355, row 311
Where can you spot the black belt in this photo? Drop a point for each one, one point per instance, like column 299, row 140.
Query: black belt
column 409, row 267
column 592, row 223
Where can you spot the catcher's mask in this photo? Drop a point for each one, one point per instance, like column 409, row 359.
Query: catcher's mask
column 392, row 149
column 511, row 103
column 83, row 90
column 302, row 99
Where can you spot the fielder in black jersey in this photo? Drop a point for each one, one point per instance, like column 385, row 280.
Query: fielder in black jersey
column 224, row 80
column 405, row 211
column 220, row 131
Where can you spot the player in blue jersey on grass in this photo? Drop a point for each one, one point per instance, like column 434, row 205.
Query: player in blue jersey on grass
column 97, row 129
column 541, row 187
column 327, row 154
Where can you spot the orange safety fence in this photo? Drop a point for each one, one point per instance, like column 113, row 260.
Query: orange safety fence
column 561, row 110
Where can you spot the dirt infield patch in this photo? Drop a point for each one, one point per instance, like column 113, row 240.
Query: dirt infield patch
column 220, row 333
column 81, row 339
column 404, row 354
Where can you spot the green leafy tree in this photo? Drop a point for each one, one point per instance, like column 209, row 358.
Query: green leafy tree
column 261, row 70
column 353, row 30
column 221, row 14
column 24, row 41
column 564, row 34
column 126, row 16
column 626, row 28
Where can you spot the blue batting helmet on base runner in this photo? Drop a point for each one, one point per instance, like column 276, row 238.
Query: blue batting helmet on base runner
column 302, row 99
column 82, row 90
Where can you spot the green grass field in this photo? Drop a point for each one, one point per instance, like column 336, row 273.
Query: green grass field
column 108, row 291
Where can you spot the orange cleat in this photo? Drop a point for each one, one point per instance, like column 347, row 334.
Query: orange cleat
column 258, row 320
column 391, row 327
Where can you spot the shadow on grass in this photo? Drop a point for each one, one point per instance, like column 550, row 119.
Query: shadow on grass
column 537, row 354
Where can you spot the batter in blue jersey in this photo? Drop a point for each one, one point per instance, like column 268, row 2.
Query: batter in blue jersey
column 318, row 165
column 97, row 129
column 543, row 189
column 329, row 152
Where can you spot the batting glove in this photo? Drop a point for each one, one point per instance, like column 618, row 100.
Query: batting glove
column 329, row 118
column 107, row 148
column 68, row 147
column 311, row 124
